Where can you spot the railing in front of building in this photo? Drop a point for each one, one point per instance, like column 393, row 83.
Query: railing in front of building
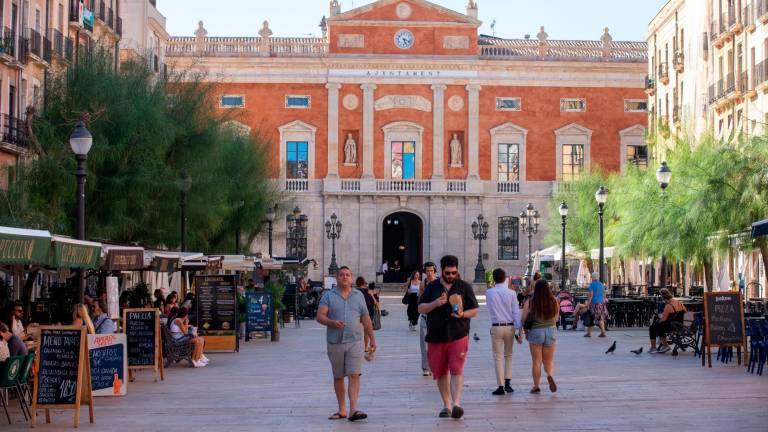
column 456, row 186
column 760, row 73
column 744, row 82
column 34, row 44
column 679, row 60
column 296, row 185
column 663, row 72
column 403, row 186
column 14, row 132
column 713, row 30
column 731, row 15
column 8, row 42
column 761, row 10
column 507, row 187
column 350, row 185
column 248, row 47
column 730, row 83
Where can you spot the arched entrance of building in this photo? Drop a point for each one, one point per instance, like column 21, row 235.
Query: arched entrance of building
column 402, row 240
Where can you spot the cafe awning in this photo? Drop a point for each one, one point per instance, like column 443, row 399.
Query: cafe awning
column 75, row 254
column 760, row 228
column 122, row 258
column 238, row 263
column 168, row 261
column 24, row 246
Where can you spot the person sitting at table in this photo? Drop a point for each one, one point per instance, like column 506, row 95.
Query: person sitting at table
column 77, row 318
column 171, row 301
column 180, row 331
column 101, row 321
column 10, row 344
column 674, row 311
column 159, row 302
column 14, row 321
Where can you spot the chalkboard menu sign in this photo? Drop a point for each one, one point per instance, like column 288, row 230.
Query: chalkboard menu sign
column 109, row 364
column 217, row 311
column 724, row 321
column 141, row 330
column 59, row 373
column 217, row 304
column 258, row 311
column 62, row 377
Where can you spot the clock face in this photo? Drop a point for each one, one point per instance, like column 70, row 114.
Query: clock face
column 404, row 39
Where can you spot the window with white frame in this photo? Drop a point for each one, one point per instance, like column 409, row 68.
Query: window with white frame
column 509, row 163
column 297, row 150
column 232, row 101
column 573, row 149
column 508, row 104
column 573, row 105
column 297, row 159
column 297, row 101
column 635, row 105
column 573, row 161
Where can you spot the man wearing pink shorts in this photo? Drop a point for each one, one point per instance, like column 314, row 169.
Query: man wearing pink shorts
column 448, row 333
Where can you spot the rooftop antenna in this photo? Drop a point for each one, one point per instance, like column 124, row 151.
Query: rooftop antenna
column 493, row 28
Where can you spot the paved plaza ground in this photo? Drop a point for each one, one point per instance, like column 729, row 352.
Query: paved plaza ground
column 287, row 386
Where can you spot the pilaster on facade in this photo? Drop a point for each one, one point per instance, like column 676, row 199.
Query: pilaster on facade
column 438, row 130
column 473, row 147
column 368, row 110
column 333, row 130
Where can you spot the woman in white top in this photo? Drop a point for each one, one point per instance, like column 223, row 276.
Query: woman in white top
column 412, row 287
column 180, row 332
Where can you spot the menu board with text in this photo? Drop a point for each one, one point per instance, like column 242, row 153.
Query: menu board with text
column 217, row 311
column 109, row 364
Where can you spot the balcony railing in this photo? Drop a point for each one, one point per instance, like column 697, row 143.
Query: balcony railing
column 679, row 60
column 723, row 23
column 650, row 83
column 712, row 94
column 676, row 113
column 111, row 18
column 69, row 49
column 720, row 89
column 761, row 8
column 714, row 30
column 731, row 16
column 14, row 132
column 74, row 11
column 748, row 15
column 57, row 42
column 34, row 44
column 663, row 72
column 760, row 73
column 350, row 185
column 248, row 47
column 508, row 187
column 296, row 185
column 101, row 12
column 119, row 26
column 744, row 82
column 456, row 186
column 403, row 186
column 8, row 42
column 730, row 83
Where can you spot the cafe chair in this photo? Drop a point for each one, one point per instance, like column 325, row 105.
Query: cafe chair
column 9, row 374
column 24, row 376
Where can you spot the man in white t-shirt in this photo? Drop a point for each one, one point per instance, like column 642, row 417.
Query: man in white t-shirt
column 505, row 319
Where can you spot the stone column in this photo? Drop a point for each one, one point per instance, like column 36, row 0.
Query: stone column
column 333, row 130
column 473, row 148
column 368, row 90
column 438, row 131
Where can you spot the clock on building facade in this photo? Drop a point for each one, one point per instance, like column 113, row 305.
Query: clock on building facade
column 404, row 39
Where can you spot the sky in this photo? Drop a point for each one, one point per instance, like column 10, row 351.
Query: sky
column 562, row 19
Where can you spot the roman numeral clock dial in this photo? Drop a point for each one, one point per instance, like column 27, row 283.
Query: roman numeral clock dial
column 404, row 39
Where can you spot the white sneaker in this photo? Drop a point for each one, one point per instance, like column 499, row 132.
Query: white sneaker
column 198, row 364
column 205, row 359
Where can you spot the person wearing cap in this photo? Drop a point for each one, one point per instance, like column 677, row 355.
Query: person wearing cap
column 596, row 305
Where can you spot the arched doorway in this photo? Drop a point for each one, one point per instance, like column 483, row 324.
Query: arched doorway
column 402, row 239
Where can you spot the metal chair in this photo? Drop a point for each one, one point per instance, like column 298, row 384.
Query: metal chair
column 26, row 371
column 9, row 374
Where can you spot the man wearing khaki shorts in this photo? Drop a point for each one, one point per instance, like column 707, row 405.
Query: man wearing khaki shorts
column 344, row 313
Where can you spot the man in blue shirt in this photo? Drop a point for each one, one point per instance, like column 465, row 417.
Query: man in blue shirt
column 596, row 302
column 344, row 313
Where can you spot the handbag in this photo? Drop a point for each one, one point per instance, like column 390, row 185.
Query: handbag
column 528, row 324
column 405, row 297
column 376, row 319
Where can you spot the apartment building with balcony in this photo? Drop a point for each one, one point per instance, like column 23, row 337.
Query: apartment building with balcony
column 144, row 33
column 719, row 85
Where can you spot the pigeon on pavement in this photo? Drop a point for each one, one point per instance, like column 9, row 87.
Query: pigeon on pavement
column 637, row 351
column 675, row 353
column 612, row 348
column 475, row 337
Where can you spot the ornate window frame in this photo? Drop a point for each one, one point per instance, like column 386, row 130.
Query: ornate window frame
column 572, row 133
column 515, row 242
column 297, row 130
column 403, row 131
column 631, row 136
column 508, row 133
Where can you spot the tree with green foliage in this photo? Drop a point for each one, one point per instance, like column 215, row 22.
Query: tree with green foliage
column 146, row 131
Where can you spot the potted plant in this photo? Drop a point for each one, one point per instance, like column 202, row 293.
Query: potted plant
column 276, row 290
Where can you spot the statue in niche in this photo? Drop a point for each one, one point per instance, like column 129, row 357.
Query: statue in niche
column 350, row 151
column 455, row 147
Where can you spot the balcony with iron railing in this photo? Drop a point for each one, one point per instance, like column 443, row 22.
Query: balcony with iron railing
column 650, row 85
column 119, row 26
column 663, row 73
column 7, row 46
column 423, row 187
column 679, row 61
column 744, row 82
column 761, row 10
column 34, row 46
column 101, row 12
column 676, row 114
column 760, row 74
column 748, row 17
column 712, row 94
column 14, row 132
column 74, row 13
column 720, row 89
column 734, row 20
column 57, row 43
column 730, row 84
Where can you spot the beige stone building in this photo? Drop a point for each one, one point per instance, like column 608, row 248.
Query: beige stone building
column 144, row 32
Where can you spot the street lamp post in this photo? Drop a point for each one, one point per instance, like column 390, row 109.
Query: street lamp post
column 185, row 184
column 296, row 227
column 663, row 175
column 270, row 218
column 529, row 222
column 333, row 231
column 80, row 141
column 564, row 214
column 601, row 196
column 480, row 233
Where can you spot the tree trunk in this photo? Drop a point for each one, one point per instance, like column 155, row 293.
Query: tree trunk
column 709, row 277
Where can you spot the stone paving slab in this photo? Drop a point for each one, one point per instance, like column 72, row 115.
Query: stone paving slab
column 286, row 386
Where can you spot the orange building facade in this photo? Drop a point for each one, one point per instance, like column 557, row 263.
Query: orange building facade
column 407, row 124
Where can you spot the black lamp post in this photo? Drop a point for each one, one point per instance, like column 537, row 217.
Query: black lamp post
column 601, row 196
column 296, row 225
column 529, row 222
column 185, row 184
column 333, row 231
column 80, row 141
column 270, row 218
column 480, row 233
column 564, row 214
column 663, row 175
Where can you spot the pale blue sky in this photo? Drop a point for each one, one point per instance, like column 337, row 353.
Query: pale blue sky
column 563, row 19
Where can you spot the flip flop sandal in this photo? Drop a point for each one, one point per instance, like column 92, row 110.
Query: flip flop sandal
column 337, row 416
column 552, row 385
column 358, row 415
column 457, row 412
column 445, row 413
